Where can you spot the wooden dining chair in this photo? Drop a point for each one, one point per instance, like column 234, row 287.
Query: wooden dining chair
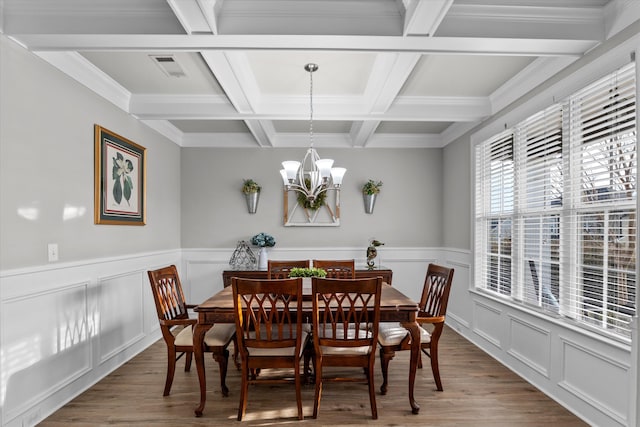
column 337, row 269
column 269, row 332
column 177, row 327
column 432, row 311
column 346, row 315
column 281, row 269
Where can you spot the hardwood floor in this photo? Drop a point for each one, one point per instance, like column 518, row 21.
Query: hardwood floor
column 478, row 391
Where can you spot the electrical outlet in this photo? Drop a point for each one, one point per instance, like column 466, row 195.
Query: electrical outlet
column 53, row 252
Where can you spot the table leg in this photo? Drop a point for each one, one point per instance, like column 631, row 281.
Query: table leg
column 198, row 354
column 414, row 331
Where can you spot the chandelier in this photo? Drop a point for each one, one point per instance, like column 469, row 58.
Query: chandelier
column 313, row 176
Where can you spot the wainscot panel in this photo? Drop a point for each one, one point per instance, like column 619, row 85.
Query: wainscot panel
column 591, row 376
column 67, row 325
column 38, row 344
column 488, row 323
column 530, row 344
column 121, row 312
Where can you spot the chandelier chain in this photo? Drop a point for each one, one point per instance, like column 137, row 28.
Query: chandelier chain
column 311, row 107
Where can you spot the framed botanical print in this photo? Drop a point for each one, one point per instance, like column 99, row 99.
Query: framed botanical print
column 120, row 187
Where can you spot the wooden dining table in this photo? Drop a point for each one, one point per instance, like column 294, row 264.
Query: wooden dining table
column 394, row 307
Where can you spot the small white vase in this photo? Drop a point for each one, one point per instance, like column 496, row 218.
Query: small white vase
column 263, row 263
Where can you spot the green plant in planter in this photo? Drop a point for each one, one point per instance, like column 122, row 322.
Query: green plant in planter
column 371, row 187
column 307, row 272
column 250, row 186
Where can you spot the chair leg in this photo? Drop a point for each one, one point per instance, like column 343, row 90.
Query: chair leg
column 372, row 390
column 222, row 357
column 385, row 356
column 187, row 361
column 244, row 389
column 308, row 360
column 318, row 394
column 171, row 369
column 298, row 381
column 236, row 353
column 433, row 354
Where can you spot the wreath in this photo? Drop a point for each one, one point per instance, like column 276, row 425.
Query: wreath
column 314, row 205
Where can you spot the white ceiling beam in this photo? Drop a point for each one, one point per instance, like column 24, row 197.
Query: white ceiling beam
column 83, row 71
column 260, row 131
column 320, row 140
column 422, row 17
column 182, row 106
column 219, row 139
column 299, row 140
column 199, row 107
column 197, row 16
column 165, row 128
column 388, row 75
column 228, row 78
column 198, row 42
column 390, row 72
column 189, row 15
column 234, row 76
column 362, row 131
column 210, row 9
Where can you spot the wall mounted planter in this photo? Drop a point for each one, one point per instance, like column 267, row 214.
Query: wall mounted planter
column 252, row 201
column 369, row 202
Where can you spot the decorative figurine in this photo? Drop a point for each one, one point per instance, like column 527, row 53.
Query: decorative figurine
column 372, row 253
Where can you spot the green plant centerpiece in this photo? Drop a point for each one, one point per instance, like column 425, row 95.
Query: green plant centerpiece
column 249, row 186
column 371, row 187
column 307, row 272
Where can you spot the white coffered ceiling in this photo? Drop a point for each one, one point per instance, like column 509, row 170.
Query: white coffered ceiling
column 392, row 73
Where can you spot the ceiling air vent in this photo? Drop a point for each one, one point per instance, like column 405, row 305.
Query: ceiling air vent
column 168, row 65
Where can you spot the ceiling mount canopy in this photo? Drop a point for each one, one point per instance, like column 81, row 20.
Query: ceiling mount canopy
column 314, row 175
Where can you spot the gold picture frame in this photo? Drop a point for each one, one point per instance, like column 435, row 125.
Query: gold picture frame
column 120, row 183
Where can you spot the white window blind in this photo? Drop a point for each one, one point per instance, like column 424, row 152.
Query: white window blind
column 496, row 209
column 555, row 220
column 603, row 139
column 539, row 194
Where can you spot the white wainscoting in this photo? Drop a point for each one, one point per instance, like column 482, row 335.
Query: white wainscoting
column 65, row 326
column 589, row 374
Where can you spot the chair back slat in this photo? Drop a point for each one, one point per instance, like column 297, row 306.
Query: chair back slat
column 346, row 311
column 168, row 294
column 435, row 294
column 337, row 269
column 267, row 311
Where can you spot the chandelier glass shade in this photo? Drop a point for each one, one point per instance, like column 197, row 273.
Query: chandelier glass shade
column 313, row 175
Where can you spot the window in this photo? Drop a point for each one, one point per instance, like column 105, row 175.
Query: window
column 555, row 219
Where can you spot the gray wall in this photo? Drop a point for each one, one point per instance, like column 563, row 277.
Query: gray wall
column 456, row 200
column 408, row 211
column 46, row 166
